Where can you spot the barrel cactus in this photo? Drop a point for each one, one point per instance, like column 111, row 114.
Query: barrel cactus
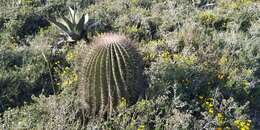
column 112, row 70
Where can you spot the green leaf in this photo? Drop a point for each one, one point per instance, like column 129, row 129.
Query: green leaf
column 86, row 19
column 72, row 14
column 77, row 18
column 68, row 23
column 63, row 22
column 60, row 25
column 92, row 23
column 80, row 25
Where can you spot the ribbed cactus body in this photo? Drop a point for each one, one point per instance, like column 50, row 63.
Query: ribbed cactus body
column 111, row 71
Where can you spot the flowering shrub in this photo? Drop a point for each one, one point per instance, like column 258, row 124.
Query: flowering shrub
column 207, row 18
column 243, row 125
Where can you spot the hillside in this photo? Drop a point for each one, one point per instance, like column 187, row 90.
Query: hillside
column 130, row 64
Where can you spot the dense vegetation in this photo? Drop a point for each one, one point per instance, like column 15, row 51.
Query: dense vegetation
column 200, row 60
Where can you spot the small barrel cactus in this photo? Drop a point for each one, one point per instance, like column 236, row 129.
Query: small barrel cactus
column 111, row 71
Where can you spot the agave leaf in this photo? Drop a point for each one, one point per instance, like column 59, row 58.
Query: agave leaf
column 77, row 19
column 72, row 15
column 80, row 25
column 69, row 38
column 68, row 23
column 74, row 36
column 92, row 23
column 86, row 19
column 62, row 21
column 60, row 26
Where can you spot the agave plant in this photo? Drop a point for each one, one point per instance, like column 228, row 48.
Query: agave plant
column 74, row 26
column 111, row 71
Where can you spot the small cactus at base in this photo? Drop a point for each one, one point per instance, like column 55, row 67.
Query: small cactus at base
column 112, row 70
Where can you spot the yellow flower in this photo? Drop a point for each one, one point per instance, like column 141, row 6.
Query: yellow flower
column 189, row 60
column 141, row 127
column 223, row 60
column 236, row 122
column 166, row 56
column 208, row 104
column 221, row 76
column 218, row 128
column 210, row 99
column 211, row 111
column 243, row 124
column 207, row 17
column 70, row 56
column 220, row 119
column 57, row 62
column 68, row 77
column 235, row 4
column 248, row 72
column 132, row 29
column 122, row 103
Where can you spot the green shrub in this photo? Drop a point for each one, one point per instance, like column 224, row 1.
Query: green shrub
column 52, row 112
column 23, row 72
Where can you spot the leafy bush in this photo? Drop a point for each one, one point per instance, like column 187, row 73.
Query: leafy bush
column 53, row 112
column 23, row 72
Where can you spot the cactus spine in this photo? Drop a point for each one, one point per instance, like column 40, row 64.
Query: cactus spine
column 112, row 70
